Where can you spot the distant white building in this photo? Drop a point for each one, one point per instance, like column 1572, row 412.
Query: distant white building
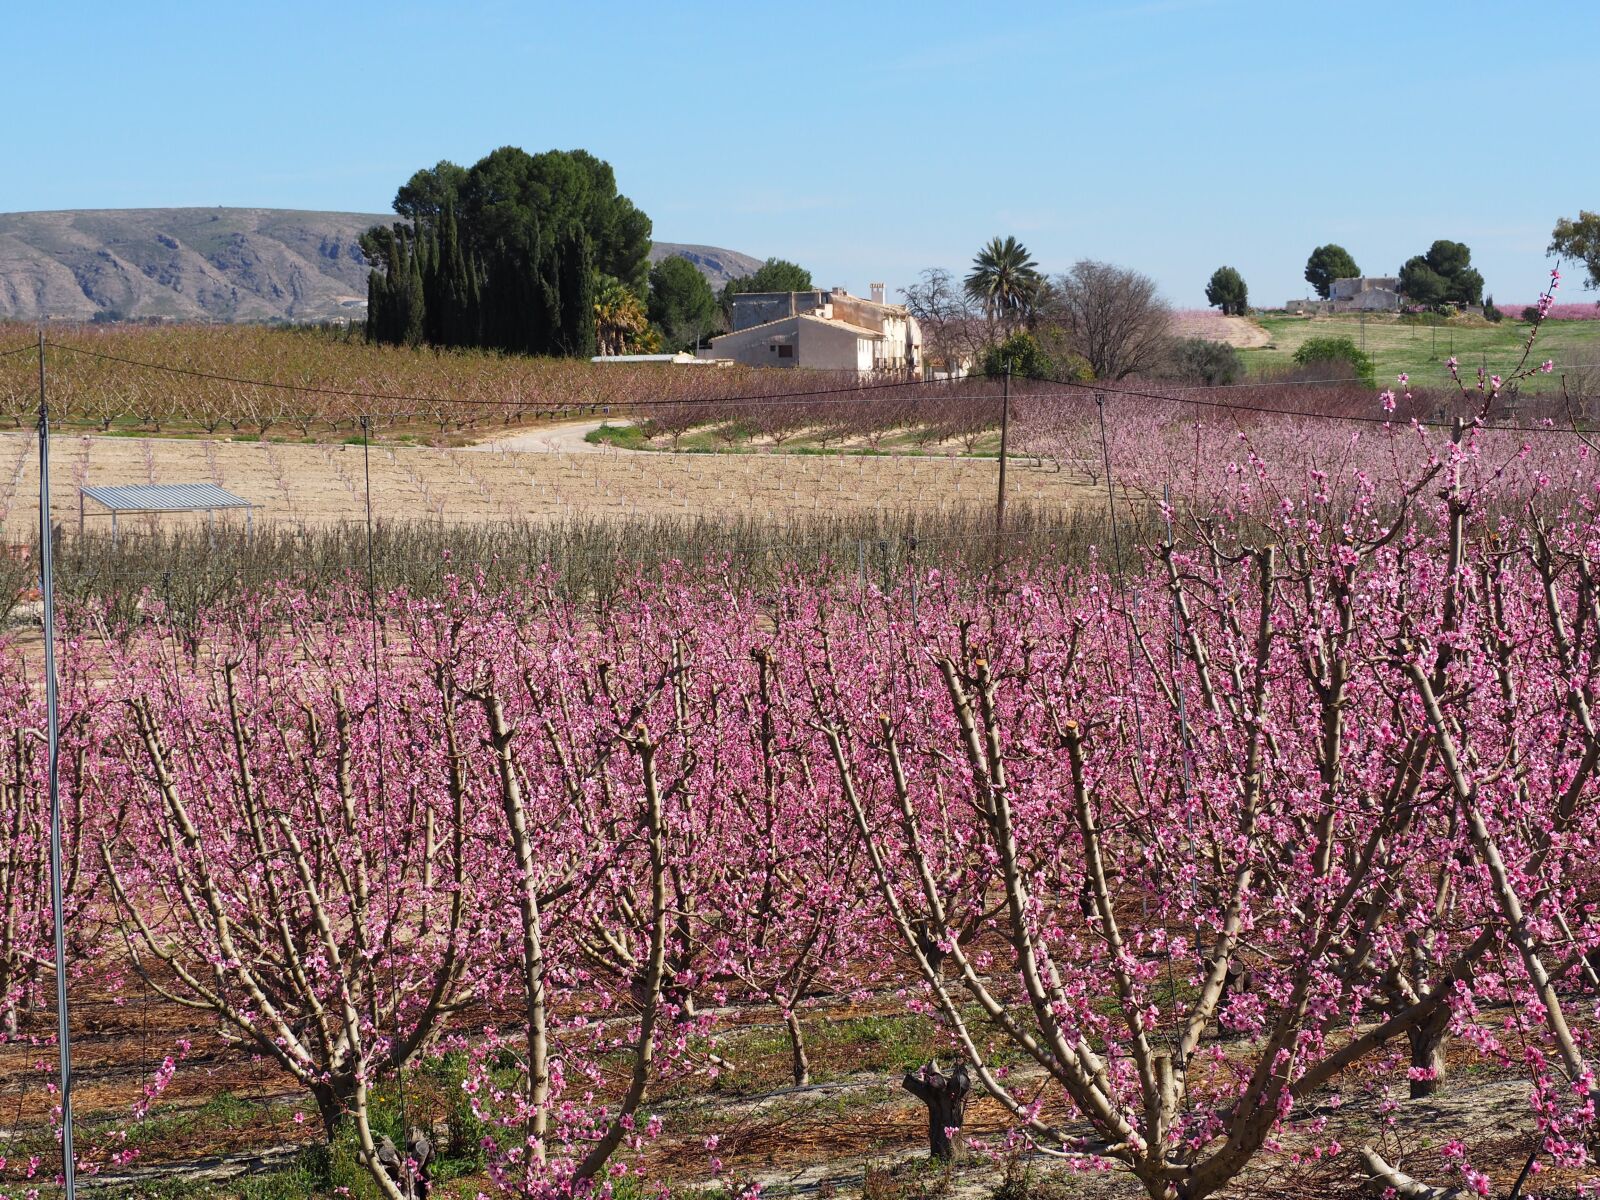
column 823, row 330
column 1368, row 293
column 681, row 358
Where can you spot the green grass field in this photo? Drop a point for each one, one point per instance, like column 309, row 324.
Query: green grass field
column 1420, row 350
column 707, row 439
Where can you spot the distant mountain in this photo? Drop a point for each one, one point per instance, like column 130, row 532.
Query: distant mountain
column 716, row 264
column 212, row 264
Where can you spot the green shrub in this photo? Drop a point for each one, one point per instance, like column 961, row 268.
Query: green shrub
column 1337, row 351
column 1022, row 352
column 465, row 1145
column 1198, row 360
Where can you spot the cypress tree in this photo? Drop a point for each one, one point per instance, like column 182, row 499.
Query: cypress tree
column 413, row 309
column 374, row 296
column 577, row 338
column 435, row 310
column 544, row 304
column 454, row 292
column 474, row 316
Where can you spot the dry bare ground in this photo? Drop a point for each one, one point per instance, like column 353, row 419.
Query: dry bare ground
column 314, row 485
column 1240, row 332
column 855, row 1132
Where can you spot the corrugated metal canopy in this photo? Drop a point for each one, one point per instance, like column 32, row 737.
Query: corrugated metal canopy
column 165, row 497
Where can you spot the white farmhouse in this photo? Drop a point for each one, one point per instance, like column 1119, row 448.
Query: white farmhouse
column 823, row 330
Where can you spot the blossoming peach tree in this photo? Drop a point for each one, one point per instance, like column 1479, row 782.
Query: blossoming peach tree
column 1202, row 834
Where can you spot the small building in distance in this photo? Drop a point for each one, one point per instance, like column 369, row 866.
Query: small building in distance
column 1368, row 293
column 680, row 358
column 822, row 330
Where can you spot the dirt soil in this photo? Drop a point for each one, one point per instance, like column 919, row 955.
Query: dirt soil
column 1239, row 332
column 547, row 476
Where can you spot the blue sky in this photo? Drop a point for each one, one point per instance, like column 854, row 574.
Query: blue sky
column 866, row 141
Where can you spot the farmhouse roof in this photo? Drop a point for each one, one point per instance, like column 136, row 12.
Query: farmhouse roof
column 858, row 330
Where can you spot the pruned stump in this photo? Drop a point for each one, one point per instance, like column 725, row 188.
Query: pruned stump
column 946, row 1099
column 408, row 1172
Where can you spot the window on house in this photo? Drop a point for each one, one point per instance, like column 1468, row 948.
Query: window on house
column 785, row 351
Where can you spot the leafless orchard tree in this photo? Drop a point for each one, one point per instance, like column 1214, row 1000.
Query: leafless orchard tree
column 1114, row 317
column 953, row 328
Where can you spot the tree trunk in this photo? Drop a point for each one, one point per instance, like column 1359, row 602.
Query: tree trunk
column 333, row 1103
column 1427, row 1051
column 797, row 1049
column 946, row 1098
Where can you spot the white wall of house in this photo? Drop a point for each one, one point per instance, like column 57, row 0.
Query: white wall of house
column 775, row 344
column 834, row 346
column 802, row 341
column 845, row 333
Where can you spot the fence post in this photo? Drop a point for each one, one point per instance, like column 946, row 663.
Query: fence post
column 47, row 535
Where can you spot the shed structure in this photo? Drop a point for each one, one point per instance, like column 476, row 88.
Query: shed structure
column 142, row 499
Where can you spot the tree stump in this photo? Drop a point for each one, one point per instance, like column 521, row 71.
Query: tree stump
column 946, row 1098
column 409, row 1171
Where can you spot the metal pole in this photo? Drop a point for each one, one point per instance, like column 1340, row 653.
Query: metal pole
column 47, row 581
column 1005, row 429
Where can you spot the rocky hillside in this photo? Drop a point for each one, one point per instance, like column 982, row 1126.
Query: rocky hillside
column 716, row 264
column 211, row 264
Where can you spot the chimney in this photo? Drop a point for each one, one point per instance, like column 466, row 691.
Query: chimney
column 877, row 293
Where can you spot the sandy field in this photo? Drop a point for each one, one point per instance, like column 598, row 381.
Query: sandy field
column 309, row 485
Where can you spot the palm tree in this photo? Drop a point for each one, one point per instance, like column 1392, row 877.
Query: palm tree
column 620, row 323
column 1005, row 280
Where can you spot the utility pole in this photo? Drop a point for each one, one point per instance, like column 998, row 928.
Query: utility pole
column 47, row 581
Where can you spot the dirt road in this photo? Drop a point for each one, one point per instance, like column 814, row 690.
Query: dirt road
column 567, row 438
